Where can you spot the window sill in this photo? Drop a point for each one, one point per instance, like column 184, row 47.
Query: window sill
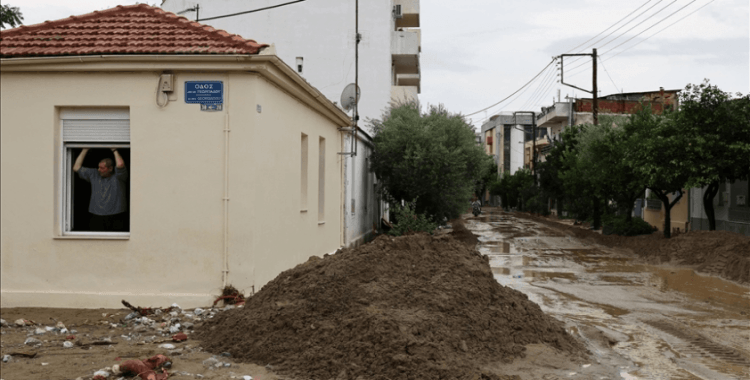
column 93, row 237
column 321, row 223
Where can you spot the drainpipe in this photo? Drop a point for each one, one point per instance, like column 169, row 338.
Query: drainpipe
column 225, row 270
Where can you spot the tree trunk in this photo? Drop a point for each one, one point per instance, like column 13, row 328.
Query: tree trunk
column 559, row 206
column 708, row 204
column 597, row 214
column 664, row 198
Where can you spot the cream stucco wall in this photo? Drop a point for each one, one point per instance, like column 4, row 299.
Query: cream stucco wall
column 175, row 251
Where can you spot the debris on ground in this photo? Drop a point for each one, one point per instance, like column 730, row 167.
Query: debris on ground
column 415, row 306
column 145, row 369
column 231, row 296
column 144, row 311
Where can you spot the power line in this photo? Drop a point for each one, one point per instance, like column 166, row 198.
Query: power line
column 542, row 80
column 250, row 11
column 636, row 25
column 622, row 26
column 544, row 89
column 610, row 77
column 666, row 27
column 600, row 33
column 543, row 83
column 527, row 83
column 672, row 14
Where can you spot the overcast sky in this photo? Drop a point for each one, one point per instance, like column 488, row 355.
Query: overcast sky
column 478, row 52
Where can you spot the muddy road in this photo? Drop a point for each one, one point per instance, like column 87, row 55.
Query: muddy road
column 640, row 321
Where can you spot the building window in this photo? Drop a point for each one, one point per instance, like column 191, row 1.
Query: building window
column 321, row 179
column 96, row 196
column 303, row 173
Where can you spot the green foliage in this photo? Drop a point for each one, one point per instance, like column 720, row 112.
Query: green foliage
column 10, row 16
column 488, row 176
column 408, row 221
column 431, row 157
column 513, row 189
column 624, row 226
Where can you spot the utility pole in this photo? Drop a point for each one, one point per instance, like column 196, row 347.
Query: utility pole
column 594, row 92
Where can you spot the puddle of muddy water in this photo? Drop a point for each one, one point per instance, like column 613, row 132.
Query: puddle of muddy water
column 702, row 288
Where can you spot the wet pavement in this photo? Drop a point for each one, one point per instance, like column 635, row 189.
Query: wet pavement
column 639, row 321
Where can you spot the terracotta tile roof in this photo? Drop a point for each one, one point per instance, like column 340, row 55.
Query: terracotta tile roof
column 133, row 29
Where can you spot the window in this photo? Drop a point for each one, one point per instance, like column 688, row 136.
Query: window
column 303, row 173
column 99, row 131
column 321, row 179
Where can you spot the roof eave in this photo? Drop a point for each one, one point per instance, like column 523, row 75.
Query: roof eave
column 269, row 66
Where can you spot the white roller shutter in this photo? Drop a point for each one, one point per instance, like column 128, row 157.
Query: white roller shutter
column 95, row 125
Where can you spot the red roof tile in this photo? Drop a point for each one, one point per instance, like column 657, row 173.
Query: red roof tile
column 133, row 29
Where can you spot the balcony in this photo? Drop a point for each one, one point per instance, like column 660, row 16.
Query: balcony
column 409, row 17
column 401, row 94
column 556, row 114
column 405, row 48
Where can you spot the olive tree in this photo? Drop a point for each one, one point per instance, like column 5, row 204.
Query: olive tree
column 428, row 156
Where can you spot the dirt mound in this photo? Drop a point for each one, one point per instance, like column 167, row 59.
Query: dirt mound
column 462, row 234
column 720, row 253
column 412, row 307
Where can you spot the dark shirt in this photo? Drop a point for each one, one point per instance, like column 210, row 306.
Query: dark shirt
column 107, row 194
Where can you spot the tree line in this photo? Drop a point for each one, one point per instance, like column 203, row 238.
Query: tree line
column 594, row 170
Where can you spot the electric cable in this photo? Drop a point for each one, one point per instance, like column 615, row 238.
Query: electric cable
column 638, row 24
column 643, row 5
column 527, row 83
column 659, row 23
column 543, row 83
column 250, row 11
column 542, row 94
column 610, row 77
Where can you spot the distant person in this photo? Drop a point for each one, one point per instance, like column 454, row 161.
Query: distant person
column 108, row 204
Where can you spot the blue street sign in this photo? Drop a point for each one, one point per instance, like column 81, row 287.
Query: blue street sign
column 204, row 92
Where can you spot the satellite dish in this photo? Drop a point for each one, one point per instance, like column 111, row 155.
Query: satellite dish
column 347, row 96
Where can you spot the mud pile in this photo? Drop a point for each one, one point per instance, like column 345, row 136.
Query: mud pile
column 721, row 253
column 412, row 307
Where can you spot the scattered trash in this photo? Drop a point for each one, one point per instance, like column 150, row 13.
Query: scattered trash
column 32, row 341
column 174, row 328
column 147, row 310
column 68, row 344
column 70, row 337
column 146, row 369
column 40, row 331
column 24, row 322
column 198, row 311
column 211, row 362
column 179, row 337
column 45, row 363
column 167, row 346
column 6, row 358
column 231, row 296
column 103, row 374
column 247, row 377
column 3, row 323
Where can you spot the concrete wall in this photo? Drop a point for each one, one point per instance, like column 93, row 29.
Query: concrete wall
column 322, row 33
column 678, row 215
column 722, row 205
column 175, row 248
column 362, row 207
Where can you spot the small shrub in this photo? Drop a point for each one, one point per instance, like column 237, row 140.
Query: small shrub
column 618, row 225
column 408, row 221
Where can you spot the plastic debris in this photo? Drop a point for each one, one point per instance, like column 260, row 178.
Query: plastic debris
column 198, row 311
column 32, row 341
column 68, row 344
column 103, row 374
column 179, row 337
column 6, row 358
column 174, row 328
column 246, row 377
column 167, row 346
column 40, row 331
column 3, row 323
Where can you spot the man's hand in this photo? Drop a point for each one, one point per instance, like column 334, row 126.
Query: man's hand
column 119, row 162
